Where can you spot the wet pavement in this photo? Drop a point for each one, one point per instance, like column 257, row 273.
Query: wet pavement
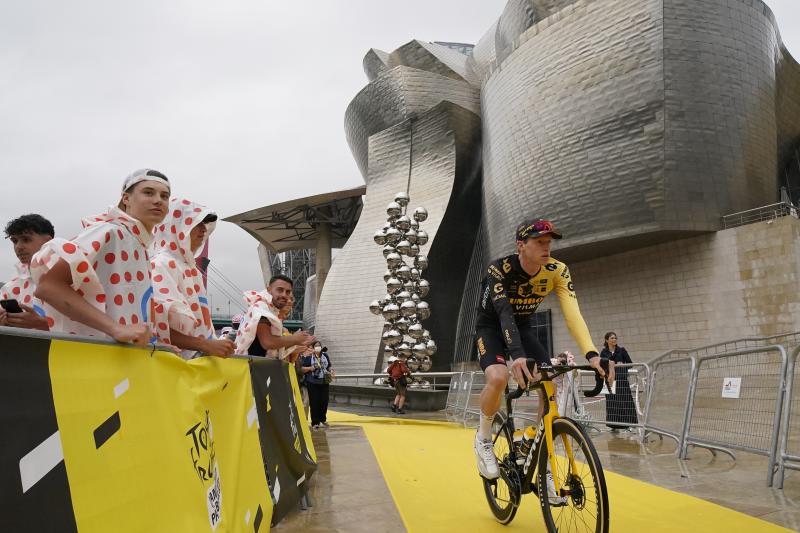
column 349, row 493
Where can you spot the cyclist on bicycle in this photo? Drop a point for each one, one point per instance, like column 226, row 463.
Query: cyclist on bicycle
column 513, row 288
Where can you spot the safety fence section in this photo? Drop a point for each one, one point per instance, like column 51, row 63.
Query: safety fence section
column 621, row 407
column 789, row 454
column 668, row 398
column 736, row 402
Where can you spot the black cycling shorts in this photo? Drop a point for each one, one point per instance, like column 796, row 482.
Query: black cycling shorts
column 492, row 348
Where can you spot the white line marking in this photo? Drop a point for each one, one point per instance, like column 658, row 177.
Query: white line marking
column 121, row 388
column 252, row 416
column 40, row 460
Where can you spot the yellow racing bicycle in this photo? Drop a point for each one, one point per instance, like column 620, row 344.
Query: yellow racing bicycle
column 555, row 460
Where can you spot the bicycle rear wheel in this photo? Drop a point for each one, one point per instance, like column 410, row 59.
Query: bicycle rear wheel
column 583, row 506
column 503, row 493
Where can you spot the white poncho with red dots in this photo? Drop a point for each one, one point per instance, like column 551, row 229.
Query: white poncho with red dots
column 110, row 269
column 259, row 305
column 21, row 288
column 178, row 290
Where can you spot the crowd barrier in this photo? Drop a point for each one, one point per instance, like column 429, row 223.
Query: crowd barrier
column 106, row 437
column 740, row 395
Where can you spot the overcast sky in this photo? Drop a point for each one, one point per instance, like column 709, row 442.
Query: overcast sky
column 240, row 103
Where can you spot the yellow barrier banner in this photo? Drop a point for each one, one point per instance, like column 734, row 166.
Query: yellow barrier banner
column 149, row 442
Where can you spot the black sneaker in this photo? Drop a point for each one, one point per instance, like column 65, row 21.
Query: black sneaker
column 400, row 412
column 394, row 408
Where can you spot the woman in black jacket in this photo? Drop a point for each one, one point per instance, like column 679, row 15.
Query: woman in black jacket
column 620, row 406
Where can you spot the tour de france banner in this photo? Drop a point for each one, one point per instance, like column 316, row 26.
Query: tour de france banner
column 102, row 437
column 289, row 455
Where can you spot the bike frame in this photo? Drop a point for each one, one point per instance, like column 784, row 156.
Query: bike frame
column 547, row 388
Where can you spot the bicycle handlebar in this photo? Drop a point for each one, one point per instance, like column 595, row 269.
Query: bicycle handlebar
column 551, row 371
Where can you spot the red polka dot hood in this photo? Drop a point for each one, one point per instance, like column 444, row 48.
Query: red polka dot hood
column 178, row 290
column 259, row 305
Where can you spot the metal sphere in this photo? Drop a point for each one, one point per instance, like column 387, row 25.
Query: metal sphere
column 414, row 273
column 423, row 310
column 388, row 299
column 403, row 273
column 419, row 350
column 394, row 260
column 413, row 364
column 379, row 237
column 388, row 249
column 393, row 235
column 408, row 308
column 425, row 364
column 411, row 235
column 421, row 262
column 390, row 311
column 422, row 237
column 386, row 327
column 388, row 351
column 414, row 225
column 388, row 274
column 375, row 307
column 404, row 247
column 415, row 298
column 392, row 337
column 420, row 214
column 423, row 287
column 415, row 331
column 404, row 349
column 393, row 285
column 402, row 199
column 426, row 336
column 403, row 296
column 403, row 223
column 409, row 286
column 413, row 250
column 394, row 209
column 401, row 324
column 430, row 346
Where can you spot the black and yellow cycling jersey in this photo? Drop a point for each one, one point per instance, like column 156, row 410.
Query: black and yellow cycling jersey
column 510, row 297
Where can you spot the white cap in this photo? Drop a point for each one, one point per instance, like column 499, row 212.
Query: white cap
column 144, row 174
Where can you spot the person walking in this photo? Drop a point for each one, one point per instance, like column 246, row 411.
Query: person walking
column 398, row 377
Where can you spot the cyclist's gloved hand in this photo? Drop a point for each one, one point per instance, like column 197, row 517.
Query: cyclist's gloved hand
column 596, row 362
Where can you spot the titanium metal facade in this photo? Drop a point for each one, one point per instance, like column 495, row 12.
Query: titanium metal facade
column 628, row 123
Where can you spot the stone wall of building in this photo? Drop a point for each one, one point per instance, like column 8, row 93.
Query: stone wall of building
column 735, row 283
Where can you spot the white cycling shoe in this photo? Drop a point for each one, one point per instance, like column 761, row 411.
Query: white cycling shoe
column 487, row 462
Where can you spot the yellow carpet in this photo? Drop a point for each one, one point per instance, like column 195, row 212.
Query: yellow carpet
column 430, row 470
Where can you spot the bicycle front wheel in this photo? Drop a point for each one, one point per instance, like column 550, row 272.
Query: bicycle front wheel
column 503, row 493
column 582, row 504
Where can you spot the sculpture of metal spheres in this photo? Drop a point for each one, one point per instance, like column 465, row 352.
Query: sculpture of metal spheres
column 403, row 307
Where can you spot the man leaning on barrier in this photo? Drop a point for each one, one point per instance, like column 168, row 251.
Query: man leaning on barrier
column 510, row 293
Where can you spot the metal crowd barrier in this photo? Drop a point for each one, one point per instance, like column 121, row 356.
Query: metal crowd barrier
column 668, row 399
column 731, row 395
column 789, row 454
column 623, row 409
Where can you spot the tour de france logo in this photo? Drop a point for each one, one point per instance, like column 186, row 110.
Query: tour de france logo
column 204, row 462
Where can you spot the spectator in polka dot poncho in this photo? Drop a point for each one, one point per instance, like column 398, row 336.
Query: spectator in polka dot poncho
column 98, row 284
column 27, row 233
column 182, row 310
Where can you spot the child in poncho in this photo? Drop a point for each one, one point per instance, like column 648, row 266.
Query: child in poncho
column 178, row 288
column 98, row 284
column 27, row 233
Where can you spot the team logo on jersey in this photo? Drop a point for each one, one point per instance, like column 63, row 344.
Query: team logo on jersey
column 481, row 346
column 551, row 267
column 506, row 266
column 495, row 272
column 498, row 288
column 526, row 290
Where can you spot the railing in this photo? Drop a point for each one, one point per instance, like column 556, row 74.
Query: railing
column 623, row 409
column 759, row 214
column 421, row 380
column 789, row 454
